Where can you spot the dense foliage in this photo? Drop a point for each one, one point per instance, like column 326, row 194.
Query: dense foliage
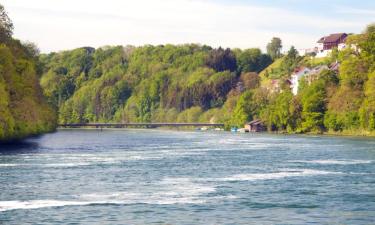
column 185, row 83
column 23, row 110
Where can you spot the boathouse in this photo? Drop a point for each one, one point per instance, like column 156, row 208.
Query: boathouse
column 255, row 126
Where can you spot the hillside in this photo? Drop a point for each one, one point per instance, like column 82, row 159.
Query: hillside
column 185, row 83
column 23, row 109
column 334, row 101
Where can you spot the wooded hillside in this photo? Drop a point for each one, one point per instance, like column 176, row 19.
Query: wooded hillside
column 23, row 109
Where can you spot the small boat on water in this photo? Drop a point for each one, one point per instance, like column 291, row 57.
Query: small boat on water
column 234, row 129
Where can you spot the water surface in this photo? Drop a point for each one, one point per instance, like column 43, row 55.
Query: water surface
column 178, row 177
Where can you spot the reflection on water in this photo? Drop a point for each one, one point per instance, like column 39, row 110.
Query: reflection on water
column 21, row 147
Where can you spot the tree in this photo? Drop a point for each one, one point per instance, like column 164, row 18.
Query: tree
column 6, row 25
column 221, row 60
column 278, row 111
column 292, row 53
column 370, row 28
column 290, row 61
column 252, row 60
column 244, row 110
column 313, row 107
column 274, row 48
column 250, row 80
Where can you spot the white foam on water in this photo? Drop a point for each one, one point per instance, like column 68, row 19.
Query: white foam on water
column 276, row 175
column 334, row 162
column 77, row 160
column 35, row 204
column 8, row 165
column 166, row 192
column 184, row 186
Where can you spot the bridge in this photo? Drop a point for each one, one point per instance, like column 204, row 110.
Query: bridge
column 142, row 125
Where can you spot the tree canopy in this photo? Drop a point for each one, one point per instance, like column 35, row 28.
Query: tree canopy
column 274, row 48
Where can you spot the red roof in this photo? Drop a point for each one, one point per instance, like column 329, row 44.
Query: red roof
column 332, row 38
column 298, row 69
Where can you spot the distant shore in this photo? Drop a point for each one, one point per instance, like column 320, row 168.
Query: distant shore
column 329, row 133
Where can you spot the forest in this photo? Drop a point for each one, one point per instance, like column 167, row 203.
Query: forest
column 198, row 83
column 24, row 111
column 185, row 83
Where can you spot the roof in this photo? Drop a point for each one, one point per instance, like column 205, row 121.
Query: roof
column 255, row 122
column 301, row 68
column 332, row 38
column 300, row 71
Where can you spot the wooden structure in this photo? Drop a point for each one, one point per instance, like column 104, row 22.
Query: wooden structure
column 255, row 126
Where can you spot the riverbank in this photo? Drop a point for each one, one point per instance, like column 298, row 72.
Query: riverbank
column 352, row 133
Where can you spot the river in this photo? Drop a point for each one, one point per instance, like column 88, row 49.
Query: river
column 187, row 177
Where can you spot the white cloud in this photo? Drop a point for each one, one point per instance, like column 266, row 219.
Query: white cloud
column 64, row 24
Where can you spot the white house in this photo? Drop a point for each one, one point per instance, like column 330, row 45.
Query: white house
column 296, row 76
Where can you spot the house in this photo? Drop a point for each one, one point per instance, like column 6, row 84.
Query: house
column 296, row 76
column 327, row 43
column 255, row 126
column 315, row 72
column 308, row 51
column 332, row 41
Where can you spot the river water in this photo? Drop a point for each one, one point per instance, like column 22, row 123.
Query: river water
column 179, row 177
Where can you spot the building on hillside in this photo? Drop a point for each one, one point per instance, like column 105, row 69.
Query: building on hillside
column 296, row 76
column 327, row 43
column 255, row 126
column 315, row 72
column 332, row 41
column 307, row 51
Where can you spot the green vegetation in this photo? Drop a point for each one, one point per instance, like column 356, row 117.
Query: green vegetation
column 330, row 102
column 186, row 83
column 23, row 110
column 194, row 83
column 274, row 48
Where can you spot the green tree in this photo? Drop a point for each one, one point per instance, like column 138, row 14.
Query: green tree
column 313, row 107
column 221, row 60
column 252, row 60
column 274, row 48
column 243, row 111
column 6, row 26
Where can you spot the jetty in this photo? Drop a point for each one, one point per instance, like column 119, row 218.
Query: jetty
column 138, row 125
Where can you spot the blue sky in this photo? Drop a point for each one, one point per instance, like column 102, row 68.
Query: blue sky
column 65, row 24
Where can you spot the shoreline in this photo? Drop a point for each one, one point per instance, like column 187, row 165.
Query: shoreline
column 328, row 134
